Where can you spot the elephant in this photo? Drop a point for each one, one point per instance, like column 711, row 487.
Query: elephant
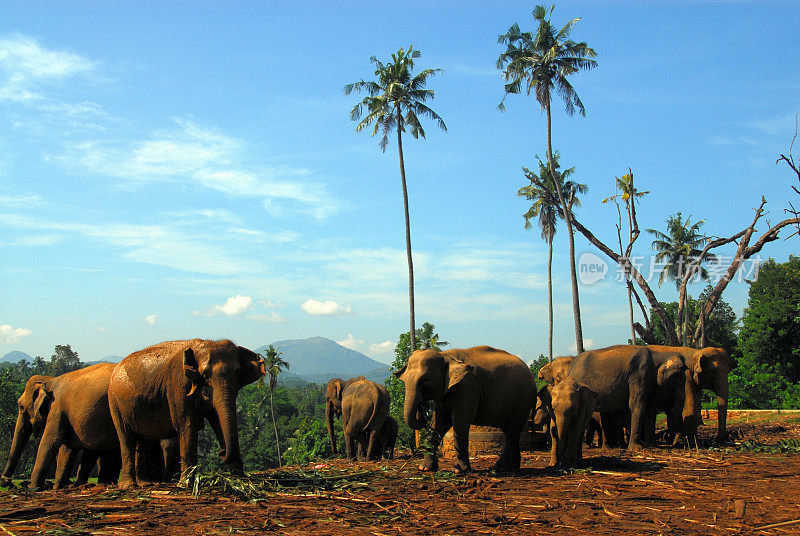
column 333, row 404
column 28, row 423
column 365, row 406
column 570, row 405
column 628, row 377
column 709, row 370
column 387, row 437
column 482, row 386
column 74, row 407
column 161, row 392
column 557, row 370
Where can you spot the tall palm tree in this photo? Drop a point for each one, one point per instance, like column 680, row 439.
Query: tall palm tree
column 274, row 365
column 541, row 62
column 427, row 339
column 629, row 194
column 396, row 101
column 677, row 248
column 546, row 208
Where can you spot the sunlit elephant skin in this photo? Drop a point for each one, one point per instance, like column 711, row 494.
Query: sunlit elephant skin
column 333, row 405
column 570, row 405
column 481, row 386
column 627, row 377
column 27, row 424
column 159, row 393
column 75, row 407
column 553, row 373
column 710, row 368
column 365, row 406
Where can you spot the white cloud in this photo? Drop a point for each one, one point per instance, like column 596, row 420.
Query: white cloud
column 233, row 306
column 25, row 65
column 9, row 335
column 351, row 342
column 209, row 159
column 382, row 348
column 327, row 308
column 272, row 317
column 151, row 319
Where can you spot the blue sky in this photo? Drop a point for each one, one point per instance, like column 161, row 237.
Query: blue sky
column 190, row 170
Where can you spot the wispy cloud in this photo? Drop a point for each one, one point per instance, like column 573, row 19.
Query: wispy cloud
column 11, row 335
column 26, row 66
column 351, row 342
column 272, row 317
column 381, row 348
column 777, row 125
column 150, row 319
column 326, row 308
column 207, row 158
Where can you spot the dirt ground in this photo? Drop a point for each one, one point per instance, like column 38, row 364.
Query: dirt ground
column 750, row 489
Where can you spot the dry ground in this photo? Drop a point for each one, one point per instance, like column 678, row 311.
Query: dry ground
column 661, row 491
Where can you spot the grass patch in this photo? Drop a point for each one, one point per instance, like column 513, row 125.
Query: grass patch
column 783, row 446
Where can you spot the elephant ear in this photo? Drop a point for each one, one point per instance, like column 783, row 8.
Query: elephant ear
column 190, row 368
column 43, row 397
column 338, row 387
column 400, row 372
column 252, row 366
column 671, row 369
column 589, row 399
column 457, row 372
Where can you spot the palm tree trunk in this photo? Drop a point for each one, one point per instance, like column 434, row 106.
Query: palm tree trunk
column 550, row 299
column 412, row 331
column 576, row 303
column 630, row 310
column 275, row 426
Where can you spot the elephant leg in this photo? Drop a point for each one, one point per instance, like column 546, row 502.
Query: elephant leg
column 441, row 424
column 362, row 449
column 553, row 444
column 510, row 457
column 374, row 446
column 721, row 391
column 639, row 408
column 88, row 460
column 461, row 444
column 52, row 439
column 64, row 462
column 611, row 430
column 169, row 453
column 188, row 448
column 109, row 467
column 127, row 449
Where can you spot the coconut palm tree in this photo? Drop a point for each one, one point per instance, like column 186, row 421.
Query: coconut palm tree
column 541, row 62
column 427, row 339
column 274, row 365
column 396, row 101
column 677, row 248
column 546, row 208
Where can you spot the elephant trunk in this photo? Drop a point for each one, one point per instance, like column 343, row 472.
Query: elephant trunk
column 690, row 415
column 22, row 433
column 412, row 410
column 330, row 412
column 225, row 404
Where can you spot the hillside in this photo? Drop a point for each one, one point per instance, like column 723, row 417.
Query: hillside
column 15, row 356
column 318, row 359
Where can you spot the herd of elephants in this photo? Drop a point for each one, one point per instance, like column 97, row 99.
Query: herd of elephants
column 137, row 418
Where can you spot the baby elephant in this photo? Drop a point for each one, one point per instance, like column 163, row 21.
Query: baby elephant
column 570, row 405
column 388, row 437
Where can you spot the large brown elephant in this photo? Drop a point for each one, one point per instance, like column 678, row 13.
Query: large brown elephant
column 333, row 405
column 481, row 386
column 160, row 393
column 365, row 406
column 570, row 405
column 627, row 377
column 75, row 407
column 709, row 370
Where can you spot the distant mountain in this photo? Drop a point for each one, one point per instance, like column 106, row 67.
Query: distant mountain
column 15, row 356
column 318, row 359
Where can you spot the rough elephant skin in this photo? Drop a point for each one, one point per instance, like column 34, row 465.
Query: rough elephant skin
column 387, row 437
column 333, row 405
column 161, row 393
column 74, row 407
column 365, row 406
column 27, row 424
column 570, row 405
column 626, row 377
column 481, row 386
column 709, row 370
column 553, row 373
